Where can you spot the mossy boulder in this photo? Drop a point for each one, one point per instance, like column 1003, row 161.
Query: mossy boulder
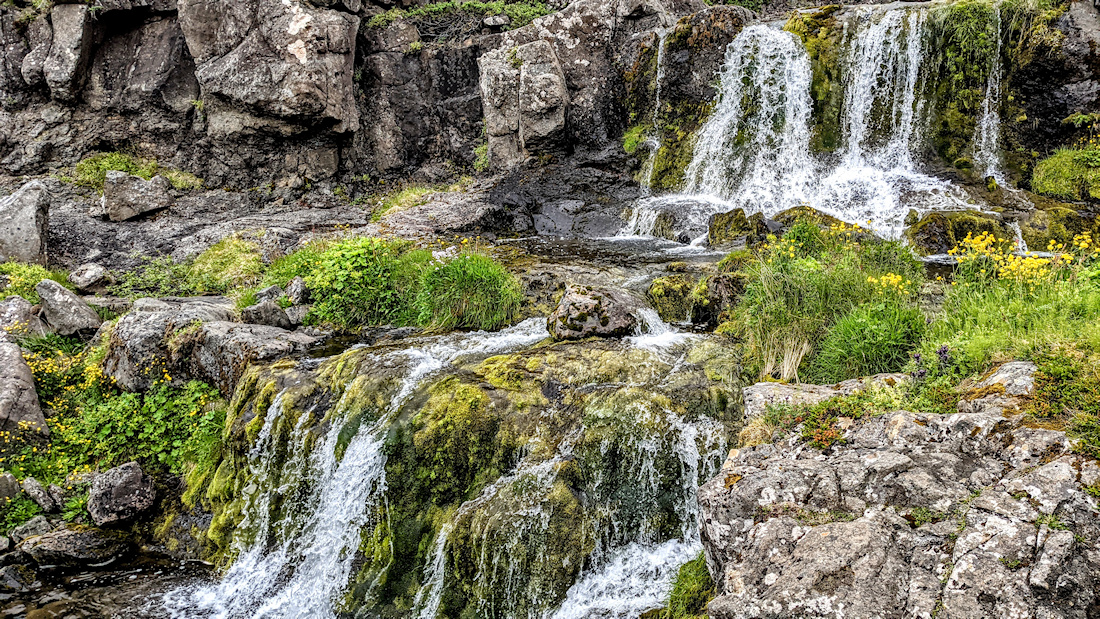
column 736, row 228
column 939, row 232
column 671, row 296
column 587, row 312
column 823, row 37
column 1057, row 223
column 796, row 214
column 1069, row 174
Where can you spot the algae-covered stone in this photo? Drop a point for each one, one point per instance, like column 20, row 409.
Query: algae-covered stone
column 735, row 227
column 1057, row 223
column 587, row 312
column 939, row 232
column 671, row 296
column 796, row 214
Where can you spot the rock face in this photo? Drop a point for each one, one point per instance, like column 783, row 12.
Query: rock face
column 120, row 494
column 267, row 313
column 224, row 349
column 19, row 406
column 63, row 311
column 914, row 515
column 126, row 196
column 75, row 546
column 73, row 36
column 24, row 220
column 587, row 312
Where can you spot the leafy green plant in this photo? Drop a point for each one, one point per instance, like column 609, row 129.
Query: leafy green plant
column 869, row 339
column 16, row 512
column 481, row 157
column 472, row 291
column 23, row 277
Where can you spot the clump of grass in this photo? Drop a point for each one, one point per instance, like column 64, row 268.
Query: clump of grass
column 1069, row 174
column 23, row 277
column 92, row 171
column 870, row 339
column 413, row 195
column 692, row 590
column 472, row 291
column 230, row 264
column 153, row 277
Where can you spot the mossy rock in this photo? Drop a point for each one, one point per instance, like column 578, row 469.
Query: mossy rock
column 671, row 296
column 735, row 228
column 939, row 232
column 714, row 296
column 1069, row 174
column 823, row 38
column 1058, row 223
column 794, row 215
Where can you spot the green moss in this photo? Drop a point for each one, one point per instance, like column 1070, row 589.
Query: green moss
column 1056, row 223
column 92, row 171
column 229, row 265
column 634, row 137
column 671, row 296
column 1069, row 174
column 936, row 233
column 823, row 38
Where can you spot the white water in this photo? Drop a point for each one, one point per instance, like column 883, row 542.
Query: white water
column 755, row 150
column 653, row 143
column 987, row 135
column 306, row 568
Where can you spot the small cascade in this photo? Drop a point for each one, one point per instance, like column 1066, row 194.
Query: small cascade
column 653, row 142
column 654, row 334
column 987, row 134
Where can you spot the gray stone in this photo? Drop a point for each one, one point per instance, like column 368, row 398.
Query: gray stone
column 224, row 349
column 760, row 396
column 39, row 495
column 297, row 291
column 496, row 21
column 38, row 525
column 63, row 311
column 271, row 293
column 126, row 196
column 58, row 494
column 65, row 67
column 297, row 314
column 1004, row 389
column 17, row 317
column 24, row 220
column 267, row 313
column 20, row 410
column 586, row 312
column 9, row 487
column 40, row 36
column 16, row 578
column 76, row 546
column 90, row 277
column 120, row 494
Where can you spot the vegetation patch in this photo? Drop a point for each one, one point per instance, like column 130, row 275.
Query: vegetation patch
column 1069, row 174
column 473, row 291
column 230, row 264
column 455, row 19
column 692, row 590
column 22, row 278
column 92, row 171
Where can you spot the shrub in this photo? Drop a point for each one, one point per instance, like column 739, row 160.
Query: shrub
column 691, row 591
column 470, row 292
column 230, row 264
column 869, row 339
column 22, row 278
column 367, row 281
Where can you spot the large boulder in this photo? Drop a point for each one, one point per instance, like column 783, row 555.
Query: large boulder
column 64, row 312
column 75, row 546
column 939, row 232
column 282, row 58
column 912, row 515
column 19, row 406
column 24, row 220
column 17, row 317
column 65, row 67
column 120, row 494
column 126, row 196
column 266, row 313
column 140, row 347
column 587, row 312
column 223, row 350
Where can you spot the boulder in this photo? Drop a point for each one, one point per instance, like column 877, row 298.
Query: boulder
column 39, row 525
column 223, row 350
column 586, row 312
column 17, row 317
column 297, row 314
column 16, row 578
column 63, row 311
column 120, row 494
column 735, row 228
column 126, row 196
column 39, row 495
column 297, row 291
column 271, row 293
column 139, row 351
column 65, row 67
column 939, row 232
column 9, row 487
column 24, row 220
column 267, row 313
column 19, row 406
column 90, row 277
column 40, row 37
column 76, row 546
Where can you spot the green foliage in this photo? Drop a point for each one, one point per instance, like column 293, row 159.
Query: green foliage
column 69, row 345
column 870, row 339
column 1067, row 395
column 228, row 265
column 633, row 138
column 691, row 591
column 23, row 277
column 413, row 195
column 16, row 512
column 76, row 507
column 92, row 171
column 1069, row 174
column 472, row 291
column 481, row 157
column 920, row 516
column 817, row 423
column 153, row 277
column 521, row 12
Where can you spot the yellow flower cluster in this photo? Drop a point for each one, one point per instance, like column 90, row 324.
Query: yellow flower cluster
column 891, row 283
column 985, row 245
column 1027, row 270
column 1084, row 243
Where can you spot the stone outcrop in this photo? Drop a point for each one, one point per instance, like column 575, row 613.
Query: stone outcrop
column 587, row 312
column 126, row 196
column 37, row 492
column 65, row 67
column 90, row 277
column 24, row 223
column 266, row 313
column 120, row 494
column 967, row 515
column 64, row 312
column 75, row 546
column 19, row 406
column 222, row 350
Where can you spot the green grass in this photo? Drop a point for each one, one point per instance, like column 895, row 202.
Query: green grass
column 23, row 277
column 1069, row 174
column 227, row 266
column 870, row 339
column 691, row 591
column 521, row 12
column 470, row 292
column 92, row 171
column 153, row 277
column 413, row 195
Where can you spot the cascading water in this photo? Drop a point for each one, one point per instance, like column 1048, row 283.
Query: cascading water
column 754, row 152
column 987, row 153
column 652, row 143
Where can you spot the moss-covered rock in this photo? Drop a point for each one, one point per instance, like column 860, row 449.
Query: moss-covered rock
column 823, row 37
column 796, row 214
column 671, row 296
column 939, row 232
column 1058, row 223
column 1069, row 174
column 735, row 228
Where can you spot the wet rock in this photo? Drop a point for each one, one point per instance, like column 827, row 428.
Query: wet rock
column 939, row 232
column 24, row 220
column 126, row 196
column 735, row 228
column 39, row 525
column 17, row 317
column 90, row 277
column 64, row 312
column 910, row 512
column 9, row 486
column 271, row 293
column 16, row 578
column 39, row 495
column 120, row 494
column 1055, row 223
column 76, row 546
column 586, row 312
column 796, row 214
column 224, row 349
column 266, row 313
column 20, row 409
column 297, row 291
column 671, row 296
column 139, row 350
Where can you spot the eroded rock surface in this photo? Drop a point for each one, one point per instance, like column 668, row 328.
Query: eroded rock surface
column 587, row 312
column 75, row 546
column 19, row 406
column 24, row 220
column 120, row 494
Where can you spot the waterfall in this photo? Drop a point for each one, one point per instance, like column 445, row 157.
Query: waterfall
column 987, row 134
column 653, row 142
column 755, row 151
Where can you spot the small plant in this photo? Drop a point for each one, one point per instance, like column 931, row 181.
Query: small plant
column 415, row 47
column 481, row 157
column 514, row 59
column 230, row 264
column 692, row 590
column 470, row 292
